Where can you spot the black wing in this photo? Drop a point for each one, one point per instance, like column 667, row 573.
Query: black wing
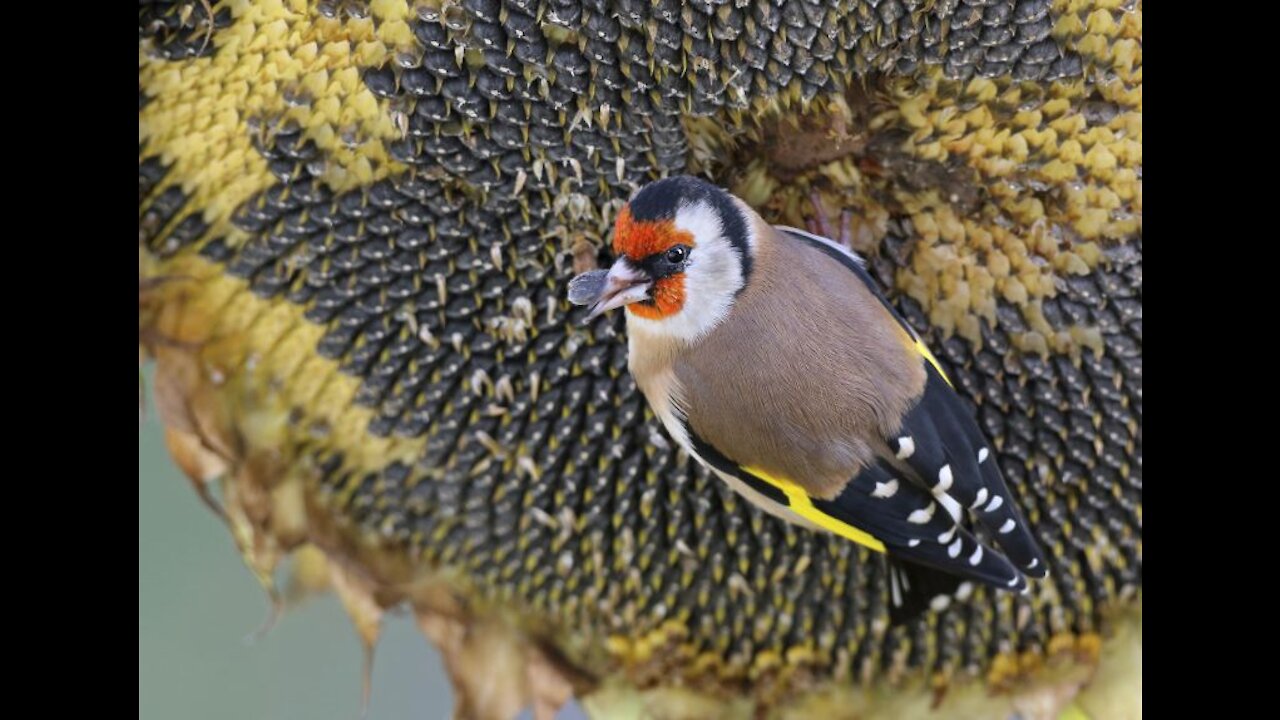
column 931, row 552
column 942, row 443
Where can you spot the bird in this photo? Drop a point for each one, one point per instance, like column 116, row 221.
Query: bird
column 369, row 241
column 771, row 356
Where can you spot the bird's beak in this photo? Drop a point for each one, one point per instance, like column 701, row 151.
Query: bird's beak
column 623, row 285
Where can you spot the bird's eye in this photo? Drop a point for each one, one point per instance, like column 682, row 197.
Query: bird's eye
column 677, row 254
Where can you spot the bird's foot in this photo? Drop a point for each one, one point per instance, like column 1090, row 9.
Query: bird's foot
column 818, row 223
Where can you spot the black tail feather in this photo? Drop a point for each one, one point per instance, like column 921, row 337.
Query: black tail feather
column 913, row 588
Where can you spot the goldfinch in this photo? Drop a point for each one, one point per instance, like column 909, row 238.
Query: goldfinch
column 771, row 357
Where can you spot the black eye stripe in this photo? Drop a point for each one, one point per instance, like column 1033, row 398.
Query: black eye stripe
column 661, row 199
column 665, row 264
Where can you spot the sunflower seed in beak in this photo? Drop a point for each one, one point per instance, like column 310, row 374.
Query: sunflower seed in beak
column 586, row 288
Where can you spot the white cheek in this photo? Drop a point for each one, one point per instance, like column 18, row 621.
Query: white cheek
column 712, row 279
column 698, row 220
column 711, row 284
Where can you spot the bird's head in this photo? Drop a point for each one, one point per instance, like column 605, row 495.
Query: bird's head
column 684, row 251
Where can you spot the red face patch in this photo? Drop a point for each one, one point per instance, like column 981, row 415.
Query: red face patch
column 668, row 298
column 637, row 240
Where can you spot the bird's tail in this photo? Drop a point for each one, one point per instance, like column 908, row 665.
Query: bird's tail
column 914, row 588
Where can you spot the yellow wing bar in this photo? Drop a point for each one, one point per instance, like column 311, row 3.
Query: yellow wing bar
column 803, row 506
column 924, row 350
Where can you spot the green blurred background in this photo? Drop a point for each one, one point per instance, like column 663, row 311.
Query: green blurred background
column 197, row 602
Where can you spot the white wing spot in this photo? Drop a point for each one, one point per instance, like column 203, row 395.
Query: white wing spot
column 964, row 591
column 1013, row 581
column 940, row 603
column 906, row 447
column 945, row 537
column 982, row 455
column 1034, row 562
column 981, row 498
column 976, row 557
column 1008, row 526
column 913, row 542
column 954, row 549
column 923, row 515
column 952, row 507
column 885, row 490
column 995, row 503
column 944, row 480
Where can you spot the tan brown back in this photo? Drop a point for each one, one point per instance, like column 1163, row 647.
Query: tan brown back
column 808, row 373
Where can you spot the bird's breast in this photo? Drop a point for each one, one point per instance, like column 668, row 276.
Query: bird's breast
column 662, row 391
column 664, row 394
